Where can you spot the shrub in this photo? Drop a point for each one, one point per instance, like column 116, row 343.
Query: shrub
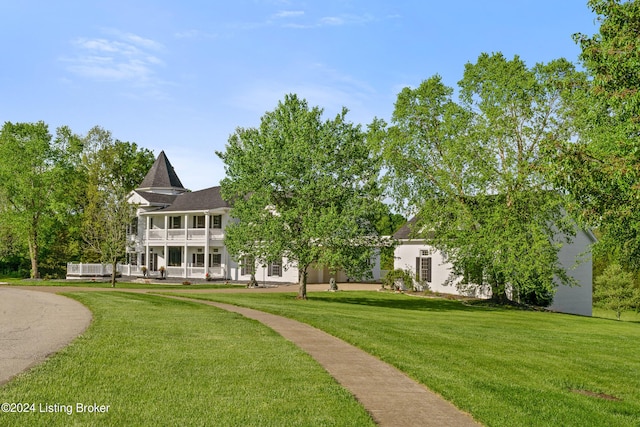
column 538, row 297
column 396, row 275
column 614, row 290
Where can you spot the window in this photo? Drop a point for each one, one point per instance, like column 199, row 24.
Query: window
column 132, row 228
column 175, row 256
column 132, row 258
column 197, row 260
column 175, row 222
column 248, row 265
column 216, row 221
column 198, row 221
column 150, row 223
column 423, row 268
column 215, row 260
column 275, row 269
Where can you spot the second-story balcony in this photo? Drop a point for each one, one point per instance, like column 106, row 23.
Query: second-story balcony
column 181, row 234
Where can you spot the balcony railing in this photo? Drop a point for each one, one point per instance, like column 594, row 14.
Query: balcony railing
column 156, row 234
column 195, row 233
column 191, row 234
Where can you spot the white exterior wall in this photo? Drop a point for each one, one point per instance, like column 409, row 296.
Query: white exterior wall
column 576, row 299
column 572, row 300
column 158, row 239
column 405, row 258
column 289, row 275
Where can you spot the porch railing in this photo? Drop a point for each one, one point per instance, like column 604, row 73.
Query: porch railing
column 80, row 270
column 91, row 270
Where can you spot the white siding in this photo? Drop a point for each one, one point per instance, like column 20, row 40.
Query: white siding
column 576, row 299
column 405, row 258
column 572, row 300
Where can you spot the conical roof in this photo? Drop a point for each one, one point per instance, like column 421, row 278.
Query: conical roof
column 161, row 176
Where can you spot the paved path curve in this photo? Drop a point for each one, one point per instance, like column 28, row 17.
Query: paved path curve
column 34, row 325
column 392, row 398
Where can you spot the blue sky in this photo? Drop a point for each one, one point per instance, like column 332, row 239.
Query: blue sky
column 181, row 76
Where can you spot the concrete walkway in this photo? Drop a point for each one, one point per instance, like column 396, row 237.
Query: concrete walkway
column 34, row 325
column 392, row 398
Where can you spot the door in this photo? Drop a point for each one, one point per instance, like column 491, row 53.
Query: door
column 153, row 262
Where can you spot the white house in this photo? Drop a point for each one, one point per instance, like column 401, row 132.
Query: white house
column 183, row 232
column 428, row 264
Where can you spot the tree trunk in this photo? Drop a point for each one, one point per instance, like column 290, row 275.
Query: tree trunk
column 113, row 273
column 499, row 293
column 33, row 254
column 302, row 279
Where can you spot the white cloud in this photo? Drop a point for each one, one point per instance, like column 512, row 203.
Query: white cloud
column 141, row 41
column 337, row 90
column 331, row 20
column 124, row 58
column 194, row 34
column 288, row 14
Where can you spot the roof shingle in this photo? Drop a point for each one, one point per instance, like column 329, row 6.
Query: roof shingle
column 161, row 176
column 206, row 199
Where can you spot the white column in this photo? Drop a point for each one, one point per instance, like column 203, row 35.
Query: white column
column 166, row 227
column 146, row 244
column 206, row 243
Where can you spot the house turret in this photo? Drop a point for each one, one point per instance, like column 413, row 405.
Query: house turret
column 162, row 178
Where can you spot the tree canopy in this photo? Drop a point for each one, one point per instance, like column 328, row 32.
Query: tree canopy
column 112, row 169
column 474, row 172
column 49, row 188
column 601, row 169
column 28, row 176
column 304, row 189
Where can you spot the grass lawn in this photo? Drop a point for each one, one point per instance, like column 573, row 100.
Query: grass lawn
column 506, row 367
column 158, row 362
column 627, row 316
column 166, row 285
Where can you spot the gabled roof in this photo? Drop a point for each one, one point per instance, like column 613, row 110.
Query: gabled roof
column 161, row 176
column 206, row 199
column 157, row 198
column 407, row 231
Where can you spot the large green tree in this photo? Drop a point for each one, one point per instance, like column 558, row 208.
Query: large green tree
column 112, row 169
column 475, row 173
column 602, row 168
column 302, row 188
column 28, row 178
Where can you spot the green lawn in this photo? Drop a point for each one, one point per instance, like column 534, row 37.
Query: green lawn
column 166, row 285
column 627, row 316
column 165, row 362
column 161, row 362
column 507, row 367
